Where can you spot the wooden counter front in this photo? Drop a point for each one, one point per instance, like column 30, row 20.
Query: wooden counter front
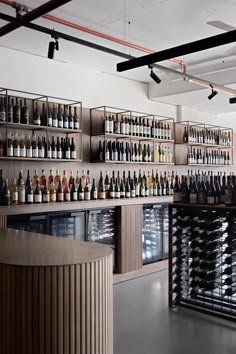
column 55, row 295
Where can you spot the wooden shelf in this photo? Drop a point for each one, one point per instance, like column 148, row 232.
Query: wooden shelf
column 136, row 162
column 133, row 137
column 202, row 165
column 207, row 145
column 40, row 127
column 38, row 159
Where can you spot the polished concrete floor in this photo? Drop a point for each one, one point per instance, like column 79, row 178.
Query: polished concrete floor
column 143, row 323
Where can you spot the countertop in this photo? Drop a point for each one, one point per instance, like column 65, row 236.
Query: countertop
column 24, row 248
column 80, row 205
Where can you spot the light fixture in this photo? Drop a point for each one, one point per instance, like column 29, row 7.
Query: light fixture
column 52, row 46
column 154, row 76
column 213, row 93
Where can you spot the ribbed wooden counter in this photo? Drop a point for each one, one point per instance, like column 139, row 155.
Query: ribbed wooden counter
column 55, row 295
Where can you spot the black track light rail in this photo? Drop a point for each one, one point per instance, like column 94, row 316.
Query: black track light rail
column 33, row 15
column 188, row 48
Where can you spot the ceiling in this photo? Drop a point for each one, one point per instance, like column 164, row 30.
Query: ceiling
column 153, row 24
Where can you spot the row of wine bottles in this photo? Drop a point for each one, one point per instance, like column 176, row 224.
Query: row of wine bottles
column 208, row 188
column 19, row 145
column 17, row 111
column 207, row 136
column 210, row 157
column 203, row 252
column 60, row 188
column 116, row 151
column 139, row 127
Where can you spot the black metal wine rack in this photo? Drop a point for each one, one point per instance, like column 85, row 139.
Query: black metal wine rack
column 202, row 259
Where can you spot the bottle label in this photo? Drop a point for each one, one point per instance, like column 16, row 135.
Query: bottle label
column 36, row 122
column 87, row 196
column 71, row 125
column 151, row 191
column 117, row 195
column 65, row 124
column 49, row 121
column 95, row 194
column 193, row 198
column 55, row 123
column 2, row 116
column 53, row 197
column 76, row 125
column 107, row 156
column 22, row 197
column 60, row 124
column 201, row 198
column 16, row 152
column 35, row 153
column 107, row 126
column 73, row 154
column 127, row 194
column 60, row 197
column 67, row 197
column 112, row 194
column 54, row 154
column 38, row 198
column 101, row 195
column 147, row 193
column 15, row 197
column 111, row 126
column 46, row 198
column 81, row 196
column 122, row 194
column 115, row 156
column 137, row 190
column 49, row 154
column 124, row 157
column 132, row 193
column 107, row 187
column 59, row 154
column 41, row 153
column 74, row 196
column 177, row 197
column 228, row 197
column 123, row 128
column 23, row 152
column 155, row 192
column 211, row 200
column 142, row 192
column 30, row 198
column 67, row 154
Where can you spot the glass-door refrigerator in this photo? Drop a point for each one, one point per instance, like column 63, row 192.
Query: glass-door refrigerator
column 70, row 225
column 102, row 229
column 34, row 223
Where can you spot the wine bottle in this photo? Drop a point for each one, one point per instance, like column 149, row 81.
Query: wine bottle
column 37, row 193
column 65, row 118
column 45, row 194
column 49, row 118
column 55, row 116
column 10, row 110
column 16, row 112
column 6, row 194
column 22, row 146
column 71, row 119
column 94, row 192
column 228, row 200
column 36, row 117
column 14, row 192
column 29, row 191
column 112, row 190
column 101, row 190
column 60, row 191
column 87, row 190
column 76, row 119
column 35, row 150
column 73, row 149
column 25, row 113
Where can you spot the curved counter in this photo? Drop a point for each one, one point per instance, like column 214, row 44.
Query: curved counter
column 55, row 295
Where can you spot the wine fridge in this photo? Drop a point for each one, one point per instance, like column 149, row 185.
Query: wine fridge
column 155, row 233
column 202, row 259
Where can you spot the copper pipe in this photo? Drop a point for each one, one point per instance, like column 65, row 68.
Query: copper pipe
column 100, row 34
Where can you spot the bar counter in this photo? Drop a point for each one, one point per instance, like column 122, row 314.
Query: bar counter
column 80, row 205
column 55, row 295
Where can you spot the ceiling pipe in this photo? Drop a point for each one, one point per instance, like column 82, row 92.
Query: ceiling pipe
column 33, row 15
column 183, row 73
column 49, row 31
column 99, row 34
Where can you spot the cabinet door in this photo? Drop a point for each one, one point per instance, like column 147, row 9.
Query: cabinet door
column 102, row 229
column 32, row 223
column 152, row 233
column 165, row 220
column 68, row 225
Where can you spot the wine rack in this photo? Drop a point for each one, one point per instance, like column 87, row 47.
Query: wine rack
column 45, row 129
column 204, row 139
column 160, row 133
column 202, row 259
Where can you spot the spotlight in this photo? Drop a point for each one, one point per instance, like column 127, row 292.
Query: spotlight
column 232, row 100
column 52, row 47
column 213, row 93
column 154, row 76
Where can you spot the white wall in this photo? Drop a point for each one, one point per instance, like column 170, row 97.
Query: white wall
column 226, row 120
column 27, row 72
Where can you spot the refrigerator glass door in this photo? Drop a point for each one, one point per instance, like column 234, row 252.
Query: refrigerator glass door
column 68, row 225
